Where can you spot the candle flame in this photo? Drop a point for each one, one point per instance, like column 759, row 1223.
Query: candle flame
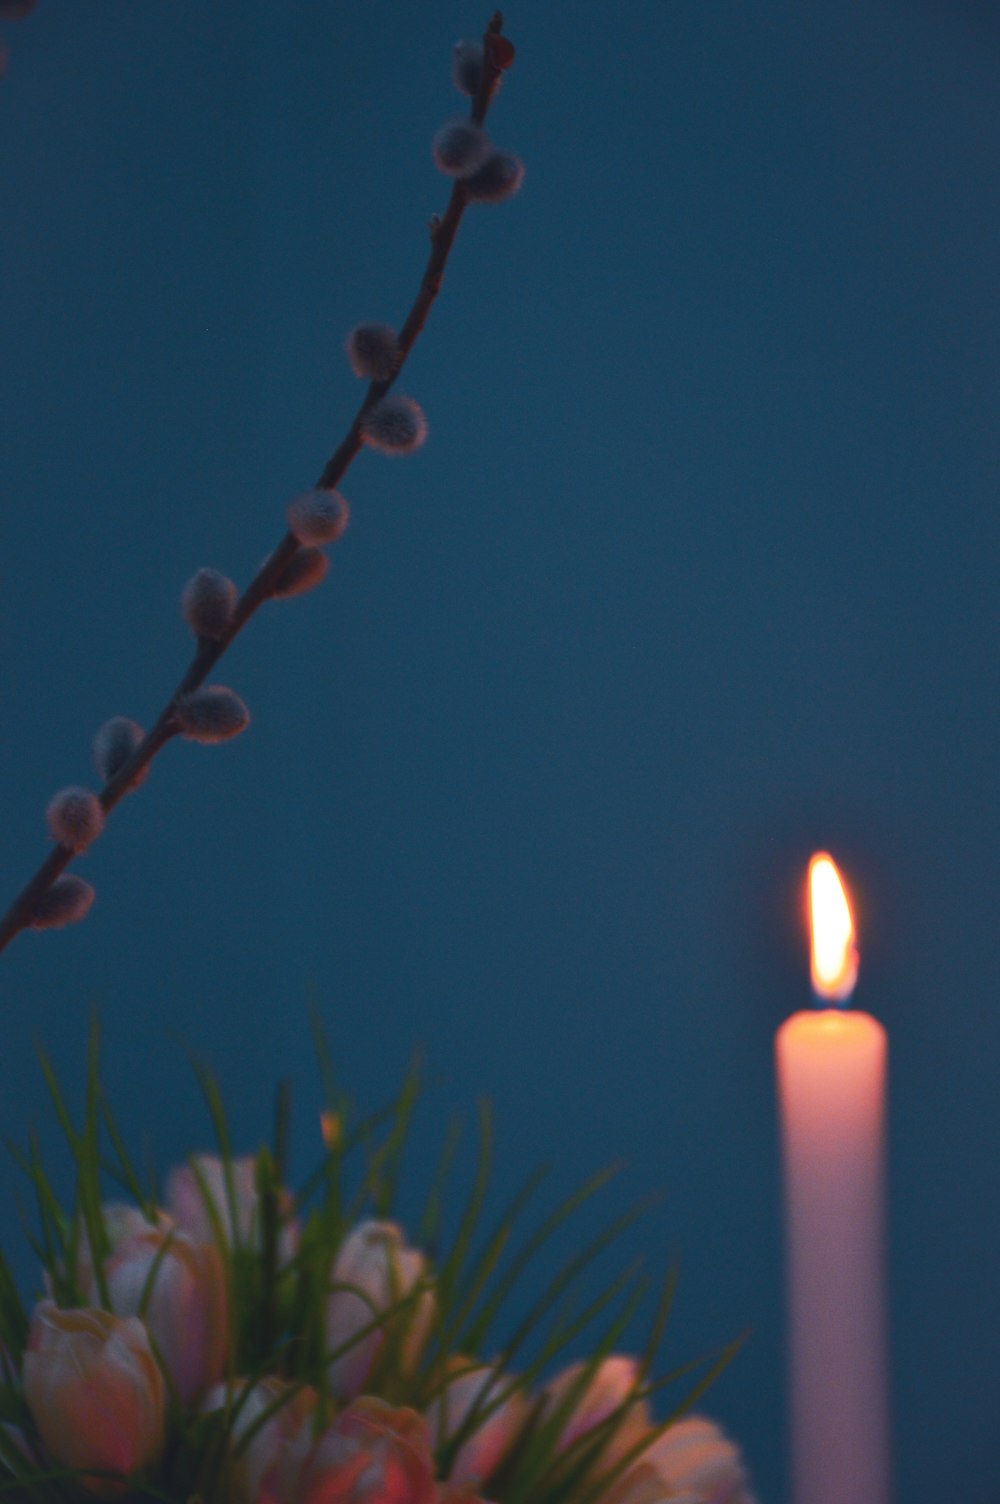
column 834, row 955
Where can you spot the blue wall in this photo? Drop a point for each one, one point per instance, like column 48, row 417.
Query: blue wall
column 696, row 574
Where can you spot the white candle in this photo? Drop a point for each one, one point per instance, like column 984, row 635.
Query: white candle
column 831, row 1083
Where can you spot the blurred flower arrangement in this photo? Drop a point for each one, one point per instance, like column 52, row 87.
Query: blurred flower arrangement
column 231, row 1342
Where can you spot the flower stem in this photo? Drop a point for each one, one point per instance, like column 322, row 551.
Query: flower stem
column 210, row 650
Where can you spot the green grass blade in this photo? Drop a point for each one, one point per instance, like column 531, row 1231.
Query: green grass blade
column 126, row 1174
column 506, row 1284
column 608, row 1479
column 14, row 1320
column 661, row 1319
column 395, row 1144
column 50, row 1215
column 557, row 1342
column 450, row 1273
column 282, row 1129
column 571, row 1272
column 89, row 1166
column 429, row 1229
column 216, row 1108
column 63, row 1114
column 542, row 1454
column 481, row 1270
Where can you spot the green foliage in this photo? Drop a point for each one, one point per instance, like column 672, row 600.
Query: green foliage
column 278, row 1304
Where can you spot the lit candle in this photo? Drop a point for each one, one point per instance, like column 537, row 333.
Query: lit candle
column 831, row 1084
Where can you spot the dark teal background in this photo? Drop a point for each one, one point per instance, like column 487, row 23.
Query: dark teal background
column 696, row 573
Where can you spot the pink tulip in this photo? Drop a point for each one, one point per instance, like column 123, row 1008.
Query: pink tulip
column 95, row 1392
column 642, row 1484
column 197, row 1197
column 375, row 1262
column 283, row 1434
column 186, row 1308
column 481, row 1453
column 607, row 1391
column 371, row 1454
column 458, row 1493
column 121, row 1221
column 695, row 1454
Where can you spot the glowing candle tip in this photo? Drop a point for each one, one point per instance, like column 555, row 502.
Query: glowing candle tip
column 834, row 955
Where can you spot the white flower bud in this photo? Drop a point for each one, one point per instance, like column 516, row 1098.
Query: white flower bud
column 374, row 1268
column 460, row 147
column 373, row 350
column 467, row 66
column 696, row 1454
column 396, row 425
column 114, row 744
column 306, row 570
column 642, row 1484
column 318, row 516
column 208, row 602
column 198, row 1200
column 264, row 1437
column 122, row 1222
column 481, row 1454
column 75, row 818
column 66, row 902
column 211, row 714
column 609, row 1388
column 500, row 177
column 178, row 1287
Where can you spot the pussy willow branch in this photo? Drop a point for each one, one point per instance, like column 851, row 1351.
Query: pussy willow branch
column 210, row 650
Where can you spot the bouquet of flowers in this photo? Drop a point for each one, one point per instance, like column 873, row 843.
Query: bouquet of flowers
column 231, row 1342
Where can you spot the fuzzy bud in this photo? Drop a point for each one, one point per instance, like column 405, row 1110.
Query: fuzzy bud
column 208, row 602
column 114, row 744
column 66, row 902
column 307, row 570
column 396, row 425
column 467, row 66
column 460, row 147
column 211, row 714
column 75, row 818
column 500, row 177
column 318, row 516
column 373, row 350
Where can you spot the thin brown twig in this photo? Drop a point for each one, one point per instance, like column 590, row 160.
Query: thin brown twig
column 443, row 232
